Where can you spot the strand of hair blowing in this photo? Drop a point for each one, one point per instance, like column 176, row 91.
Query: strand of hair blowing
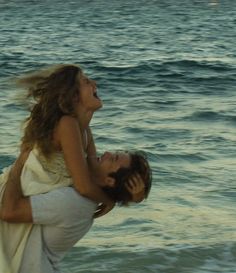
column 54, row 97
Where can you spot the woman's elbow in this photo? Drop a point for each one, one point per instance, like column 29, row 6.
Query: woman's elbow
column 8, row 215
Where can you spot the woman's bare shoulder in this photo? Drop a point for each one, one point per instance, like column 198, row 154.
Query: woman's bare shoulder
column 67, row 120
column 66, row 127
column 67, row 124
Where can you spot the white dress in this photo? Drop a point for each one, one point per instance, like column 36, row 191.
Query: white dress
column 39, row 175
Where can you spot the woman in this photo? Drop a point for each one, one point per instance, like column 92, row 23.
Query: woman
column 57, row 129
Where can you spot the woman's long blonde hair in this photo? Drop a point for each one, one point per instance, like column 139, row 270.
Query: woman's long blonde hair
column 53, row 91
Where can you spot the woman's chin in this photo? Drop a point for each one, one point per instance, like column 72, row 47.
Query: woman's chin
column 99, row 105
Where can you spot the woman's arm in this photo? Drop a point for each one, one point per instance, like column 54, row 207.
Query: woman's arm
column 70, row 140
column 16, row 207
column 91, row 152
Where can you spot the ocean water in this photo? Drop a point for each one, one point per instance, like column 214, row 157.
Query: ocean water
column 166, row 72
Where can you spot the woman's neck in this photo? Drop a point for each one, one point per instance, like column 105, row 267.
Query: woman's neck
column 84, row 118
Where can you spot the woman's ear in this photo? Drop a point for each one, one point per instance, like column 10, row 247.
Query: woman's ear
column 110, row 181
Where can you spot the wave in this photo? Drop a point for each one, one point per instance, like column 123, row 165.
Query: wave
column 190, row 157
column 130, row 68
column 202, row 64
column 163, row 66
column 152, row 258
column 213, row 77
column 211, row 116
column 5, row 161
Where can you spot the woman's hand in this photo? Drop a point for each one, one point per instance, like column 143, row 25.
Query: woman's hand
column 136, row 188
column 103, row 209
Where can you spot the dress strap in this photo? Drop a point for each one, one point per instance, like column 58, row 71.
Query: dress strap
column 86, row 139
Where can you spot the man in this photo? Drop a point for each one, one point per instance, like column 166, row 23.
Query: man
column 62, row 217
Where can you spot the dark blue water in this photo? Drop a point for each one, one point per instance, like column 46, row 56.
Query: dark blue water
column 166, row 72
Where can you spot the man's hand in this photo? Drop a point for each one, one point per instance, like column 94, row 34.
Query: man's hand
column 136, row 188
column 103, row 209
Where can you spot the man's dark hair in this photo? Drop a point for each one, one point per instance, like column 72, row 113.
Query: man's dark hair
column 138, row 165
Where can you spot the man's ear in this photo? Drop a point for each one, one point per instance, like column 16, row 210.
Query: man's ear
column 110, row 181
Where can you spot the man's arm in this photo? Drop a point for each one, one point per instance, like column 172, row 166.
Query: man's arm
column 15, row 207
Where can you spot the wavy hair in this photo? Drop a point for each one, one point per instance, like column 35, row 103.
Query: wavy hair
column 139, row 165
column 53, row 92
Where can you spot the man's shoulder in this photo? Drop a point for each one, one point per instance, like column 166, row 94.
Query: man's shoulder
column 64, row 204
column 71, row 195
column 68, row 197
column 74, row 207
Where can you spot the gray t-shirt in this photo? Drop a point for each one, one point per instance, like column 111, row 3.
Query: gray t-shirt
column 61, row 217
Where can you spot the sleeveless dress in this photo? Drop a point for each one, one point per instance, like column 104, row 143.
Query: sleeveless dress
column 39, row 175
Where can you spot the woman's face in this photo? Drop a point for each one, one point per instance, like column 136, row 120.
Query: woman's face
column 88, row 97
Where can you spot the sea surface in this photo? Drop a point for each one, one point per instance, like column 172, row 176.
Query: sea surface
column 166, row 71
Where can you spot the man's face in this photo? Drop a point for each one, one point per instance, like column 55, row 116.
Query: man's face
column 112, row 161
